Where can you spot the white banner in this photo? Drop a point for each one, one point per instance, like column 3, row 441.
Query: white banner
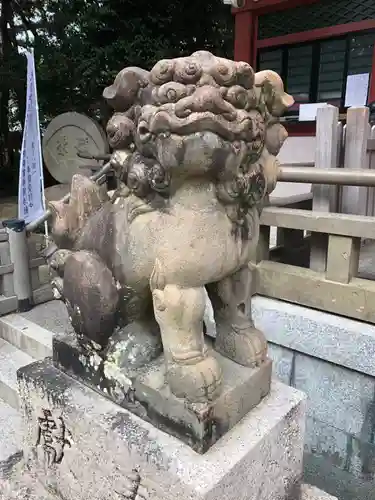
column 31, row 183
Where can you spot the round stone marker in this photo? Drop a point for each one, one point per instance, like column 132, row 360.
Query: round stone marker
column 66, row 135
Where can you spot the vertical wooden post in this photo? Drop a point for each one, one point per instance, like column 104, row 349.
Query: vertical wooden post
column 354, row 198
column 258, row 253
column 34, row 271
column 343, row 258
column 340, row 145
column 246, row 33
column 325, row 197
column 263, row 247
column 371, row 94
column 7, row 279
column 341, row 131
column 20, row 258
column 371, row 190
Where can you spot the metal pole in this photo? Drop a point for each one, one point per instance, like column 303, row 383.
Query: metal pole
column 98, row 177
column 87, row 156
column 338, row 176
column 19, row 254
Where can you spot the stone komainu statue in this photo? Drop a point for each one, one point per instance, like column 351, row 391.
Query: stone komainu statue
column 195, row 143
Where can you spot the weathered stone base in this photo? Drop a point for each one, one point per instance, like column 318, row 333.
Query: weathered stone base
column 332, row 360
column 148, row 396
column 25, row 485
column 111, row 453
column 311, row 493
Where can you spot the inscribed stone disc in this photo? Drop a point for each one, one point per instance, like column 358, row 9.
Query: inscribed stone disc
column 66, row 135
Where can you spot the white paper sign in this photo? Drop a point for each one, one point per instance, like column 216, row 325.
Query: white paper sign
column 31, row 182
column 307, row 112
column 357, row 90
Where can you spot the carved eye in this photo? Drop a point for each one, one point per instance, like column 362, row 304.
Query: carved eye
column 171, row 92
column 187, row 71
column 171, row 95
column 222, row 69
column 162, row 71
column 224, row 73
column 245, row 75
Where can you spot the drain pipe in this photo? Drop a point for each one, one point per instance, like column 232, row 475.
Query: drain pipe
column 19, row 255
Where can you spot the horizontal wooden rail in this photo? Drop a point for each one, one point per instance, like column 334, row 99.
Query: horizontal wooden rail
column 312, row 289
column 3, row 236
column 43, row 294
column 8, row 304
column 6, row 269
column 358, row 226
column 36, row 262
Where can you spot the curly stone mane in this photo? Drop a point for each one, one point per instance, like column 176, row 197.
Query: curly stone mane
column 193, row 95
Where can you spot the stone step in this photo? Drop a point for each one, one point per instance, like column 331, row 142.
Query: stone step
column 11, row 359
column 52, row 316
column 26, row 335
column 311, row 493
column 10, row 439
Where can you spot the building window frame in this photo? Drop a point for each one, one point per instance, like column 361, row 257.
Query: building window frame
column 315, row 65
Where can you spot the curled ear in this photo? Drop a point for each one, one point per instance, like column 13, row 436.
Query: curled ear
column 276, row 99
column 126, row 89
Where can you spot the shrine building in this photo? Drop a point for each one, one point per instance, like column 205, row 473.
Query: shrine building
column 315, row 45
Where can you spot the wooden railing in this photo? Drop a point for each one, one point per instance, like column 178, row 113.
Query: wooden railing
column 334, row 231
column 20, row 284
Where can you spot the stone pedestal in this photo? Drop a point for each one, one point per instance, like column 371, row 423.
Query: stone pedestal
column 85, row 447
column 146, row 394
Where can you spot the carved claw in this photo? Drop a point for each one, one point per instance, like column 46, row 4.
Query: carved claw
column 197, row 382
column 245, row 346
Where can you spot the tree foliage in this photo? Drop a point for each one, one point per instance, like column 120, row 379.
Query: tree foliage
column 80, row 46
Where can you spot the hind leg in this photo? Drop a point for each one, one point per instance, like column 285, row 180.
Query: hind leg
column 236, row 336
column 91, row 296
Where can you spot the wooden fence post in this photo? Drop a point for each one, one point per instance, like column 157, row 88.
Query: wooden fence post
column 371, row 190
column 325, row 197
column 5, row 260
column 354, row 198
column 20, row 259
column 34, row 269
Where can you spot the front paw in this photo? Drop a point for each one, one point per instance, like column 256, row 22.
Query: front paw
column 246, row 346
column 197, row 382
